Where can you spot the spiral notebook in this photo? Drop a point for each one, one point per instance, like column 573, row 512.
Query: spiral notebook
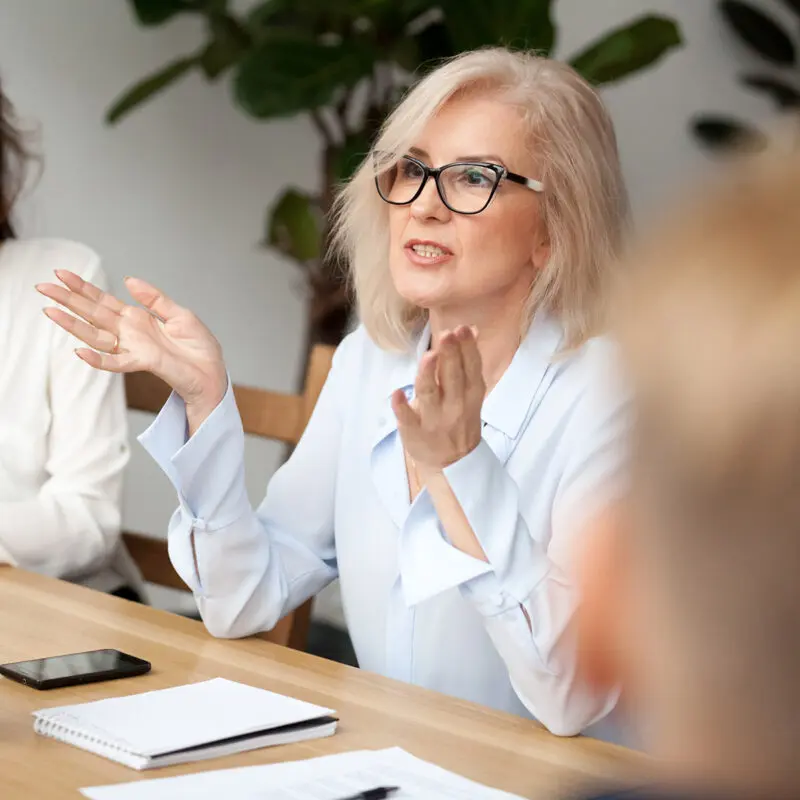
column 185, row 723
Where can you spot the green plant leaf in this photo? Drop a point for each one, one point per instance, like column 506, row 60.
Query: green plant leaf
column 156, row 12
column 628, row 49
column 350, row 155
column 515, row 23
column 793, row 5
column 289, row 73
column 762, row 33
column 724, row 133
column 782, row 93
column 229, row 42
column 295, row 226
column 269, row 15
column 149, row 86
column 433, row 44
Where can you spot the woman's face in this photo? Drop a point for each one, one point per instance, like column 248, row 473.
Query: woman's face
column 441, row 260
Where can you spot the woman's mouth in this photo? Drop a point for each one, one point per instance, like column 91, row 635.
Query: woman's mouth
column 427, row 253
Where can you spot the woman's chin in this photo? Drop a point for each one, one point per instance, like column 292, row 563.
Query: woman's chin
column 423, row 291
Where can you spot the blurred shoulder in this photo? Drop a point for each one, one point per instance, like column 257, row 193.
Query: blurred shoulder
column 34, row 260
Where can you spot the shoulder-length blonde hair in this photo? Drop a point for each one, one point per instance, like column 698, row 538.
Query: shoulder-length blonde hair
column 584, row 204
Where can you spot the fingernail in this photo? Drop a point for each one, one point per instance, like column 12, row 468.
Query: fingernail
column 474, row 330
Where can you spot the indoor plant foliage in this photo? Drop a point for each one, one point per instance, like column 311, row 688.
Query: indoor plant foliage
column 345, row 63
column 775, row 48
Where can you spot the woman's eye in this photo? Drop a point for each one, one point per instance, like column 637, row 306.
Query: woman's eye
column 476, row 177
column 411, row 170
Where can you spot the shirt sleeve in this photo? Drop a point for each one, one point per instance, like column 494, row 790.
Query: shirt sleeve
column 71, row 528
column 526, row 592
column 250, row 567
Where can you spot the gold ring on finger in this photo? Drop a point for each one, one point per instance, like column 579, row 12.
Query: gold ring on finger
column 115, row 349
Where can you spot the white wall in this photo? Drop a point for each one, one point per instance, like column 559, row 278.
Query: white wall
column 177, row 192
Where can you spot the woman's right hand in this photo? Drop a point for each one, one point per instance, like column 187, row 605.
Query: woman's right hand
column 159, row 337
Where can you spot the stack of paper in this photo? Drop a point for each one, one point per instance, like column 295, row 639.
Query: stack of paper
column 326, row 778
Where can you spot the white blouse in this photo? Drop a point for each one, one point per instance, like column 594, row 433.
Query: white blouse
column 417, row 608
column 63, row 431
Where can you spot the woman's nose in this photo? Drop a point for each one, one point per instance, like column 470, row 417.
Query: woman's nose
column 429, row 204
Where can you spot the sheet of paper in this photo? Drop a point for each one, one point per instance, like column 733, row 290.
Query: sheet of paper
column 326, row 778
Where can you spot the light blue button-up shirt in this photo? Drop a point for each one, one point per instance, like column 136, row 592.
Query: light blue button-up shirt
column 417, row 608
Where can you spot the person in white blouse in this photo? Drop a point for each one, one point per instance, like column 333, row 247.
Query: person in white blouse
column 63, row 431
column 468, row 431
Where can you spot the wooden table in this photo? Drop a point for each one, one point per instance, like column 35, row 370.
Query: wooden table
column 42, row 617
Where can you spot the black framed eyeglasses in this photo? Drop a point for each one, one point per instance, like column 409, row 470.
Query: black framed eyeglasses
column 465, row 187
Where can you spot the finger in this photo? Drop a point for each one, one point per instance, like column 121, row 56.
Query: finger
column 88, row 334
column 93, row 312
column 406, row 416
column 106, row 361
column 426, row 389
column 471, row 356
column 152, row 299
column 452, row 379
column 88, row 290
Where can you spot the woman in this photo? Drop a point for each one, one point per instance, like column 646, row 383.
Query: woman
column 463, row 438
column 63, row 435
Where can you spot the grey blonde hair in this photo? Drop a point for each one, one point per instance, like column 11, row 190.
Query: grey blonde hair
column 584, row 205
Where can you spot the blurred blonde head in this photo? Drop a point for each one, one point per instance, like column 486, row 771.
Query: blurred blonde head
column 710, row 334
column 584, row 205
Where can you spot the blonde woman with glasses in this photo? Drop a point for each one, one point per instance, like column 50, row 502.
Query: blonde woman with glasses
column 466, row 435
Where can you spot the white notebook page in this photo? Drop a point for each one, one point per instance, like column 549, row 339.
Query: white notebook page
column 185, row 716
column 326, row 778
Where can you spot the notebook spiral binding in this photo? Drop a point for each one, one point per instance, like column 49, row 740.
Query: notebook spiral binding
column 58, row 727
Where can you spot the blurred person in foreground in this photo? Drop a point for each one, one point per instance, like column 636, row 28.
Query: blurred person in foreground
column 465, row 435
column 63, row 432
column 693, row 592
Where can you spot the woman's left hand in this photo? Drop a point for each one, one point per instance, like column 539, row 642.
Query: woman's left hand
column 444, row 423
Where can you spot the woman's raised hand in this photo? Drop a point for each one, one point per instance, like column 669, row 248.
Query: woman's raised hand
column 156, row 336
column 444, row 423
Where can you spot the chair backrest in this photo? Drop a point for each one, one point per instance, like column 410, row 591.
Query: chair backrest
column 271, row 415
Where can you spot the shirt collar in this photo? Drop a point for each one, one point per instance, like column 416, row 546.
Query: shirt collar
column 507, row 405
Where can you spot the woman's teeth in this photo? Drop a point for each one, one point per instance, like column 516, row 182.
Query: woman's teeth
column 427, row 251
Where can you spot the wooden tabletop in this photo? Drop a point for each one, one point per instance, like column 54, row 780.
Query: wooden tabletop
column 44, row 617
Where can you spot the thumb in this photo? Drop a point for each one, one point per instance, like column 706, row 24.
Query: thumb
column 406, row 416
column 152, row 299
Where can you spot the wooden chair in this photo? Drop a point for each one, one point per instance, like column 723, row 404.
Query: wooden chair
column 271, row 415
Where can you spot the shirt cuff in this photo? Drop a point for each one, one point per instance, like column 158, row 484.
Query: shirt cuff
column 489, row 498
column 207, row 471
column 429, row 564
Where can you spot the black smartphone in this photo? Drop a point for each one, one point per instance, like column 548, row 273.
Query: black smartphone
column 75, row 669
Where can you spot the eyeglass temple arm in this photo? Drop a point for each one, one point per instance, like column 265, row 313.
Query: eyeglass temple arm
column 537, row 186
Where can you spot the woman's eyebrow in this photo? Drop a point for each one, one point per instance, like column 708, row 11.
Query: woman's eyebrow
column 418, row 152
column 495, row 159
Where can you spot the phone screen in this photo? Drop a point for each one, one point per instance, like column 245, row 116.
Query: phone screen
column 58, row 667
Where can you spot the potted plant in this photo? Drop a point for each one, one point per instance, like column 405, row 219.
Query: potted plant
column 345, row 63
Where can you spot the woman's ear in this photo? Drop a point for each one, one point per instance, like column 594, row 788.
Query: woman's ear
column 540, row 254
column 600, row 616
